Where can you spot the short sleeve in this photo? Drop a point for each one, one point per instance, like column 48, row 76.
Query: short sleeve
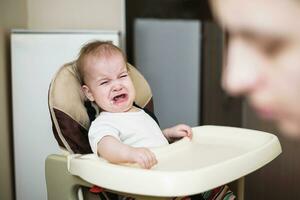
column 97, row 131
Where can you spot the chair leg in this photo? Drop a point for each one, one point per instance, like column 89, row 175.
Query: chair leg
column 241, row 188
column 60, row 183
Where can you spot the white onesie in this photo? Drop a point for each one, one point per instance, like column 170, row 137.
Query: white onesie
column 136, row 129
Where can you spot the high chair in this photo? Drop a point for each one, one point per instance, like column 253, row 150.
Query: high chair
column 215, row 156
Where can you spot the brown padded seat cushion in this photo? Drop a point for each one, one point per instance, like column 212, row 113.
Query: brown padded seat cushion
column 69, row 116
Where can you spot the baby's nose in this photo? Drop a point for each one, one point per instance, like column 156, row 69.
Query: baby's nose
column 117, row 87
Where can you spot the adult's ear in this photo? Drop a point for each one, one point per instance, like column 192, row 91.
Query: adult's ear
column 87, row 92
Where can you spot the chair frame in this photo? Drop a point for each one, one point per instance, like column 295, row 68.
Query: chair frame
column 64, row 185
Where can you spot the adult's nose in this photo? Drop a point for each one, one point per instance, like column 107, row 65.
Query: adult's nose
column 242, row 68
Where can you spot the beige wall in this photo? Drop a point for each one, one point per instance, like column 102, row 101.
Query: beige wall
column 74, row 14
column 13, row 14
column 42, row 14
column 5, row 140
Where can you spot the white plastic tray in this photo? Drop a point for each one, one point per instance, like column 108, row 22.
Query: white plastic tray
column 215, row 156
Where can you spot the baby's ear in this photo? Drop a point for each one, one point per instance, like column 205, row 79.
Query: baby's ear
column 87, row 92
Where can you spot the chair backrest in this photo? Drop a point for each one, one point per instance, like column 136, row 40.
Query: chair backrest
column 70, row 119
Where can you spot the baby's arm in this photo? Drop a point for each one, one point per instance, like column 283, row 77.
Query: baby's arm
column 178, row 131
column 116, row 152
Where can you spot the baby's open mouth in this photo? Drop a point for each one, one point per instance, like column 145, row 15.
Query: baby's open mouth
column 119, row 98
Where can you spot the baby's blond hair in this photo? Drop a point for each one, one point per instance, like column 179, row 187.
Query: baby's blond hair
column 96, row 49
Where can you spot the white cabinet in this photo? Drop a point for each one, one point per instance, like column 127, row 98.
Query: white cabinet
column 168, row 53
column 35, row 58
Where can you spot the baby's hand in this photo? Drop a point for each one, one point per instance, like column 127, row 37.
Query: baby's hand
column 142, row 156
column 178, row 131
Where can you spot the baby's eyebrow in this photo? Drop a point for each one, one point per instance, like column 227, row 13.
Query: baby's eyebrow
column 101, row 79
column 125, row 71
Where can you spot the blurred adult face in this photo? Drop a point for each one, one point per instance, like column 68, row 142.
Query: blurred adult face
column 263, row 56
